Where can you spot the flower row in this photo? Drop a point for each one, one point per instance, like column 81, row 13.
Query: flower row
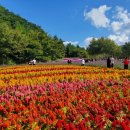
column 36, row 75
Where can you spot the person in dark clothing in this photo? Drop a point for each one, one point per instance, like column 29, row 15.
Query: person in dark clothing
column 69, row 61
column 108, row 62
column 126, row 62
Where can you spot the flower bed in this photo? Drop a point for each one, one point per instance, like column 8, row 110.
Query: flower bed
column 64, row 97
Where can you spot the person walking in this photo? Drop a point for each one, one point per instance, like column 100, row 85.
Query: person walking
column 126, row 62
column 108, row 62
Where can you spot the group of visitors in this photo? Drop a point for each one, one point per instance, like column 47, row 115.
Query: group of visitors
column 69, row 61
column 82, row 62
column 32, row 62
column 110, row 62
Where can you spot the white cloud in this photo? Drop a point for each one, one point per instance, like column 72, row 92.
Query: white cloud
column 118, row 24
column 119, row 38
column 72, row 42
column 121, row 22
column 97, row 16
column 122, row 15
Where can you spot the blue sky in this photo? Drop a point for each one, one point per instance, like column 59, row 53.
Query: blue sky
column 77, row 21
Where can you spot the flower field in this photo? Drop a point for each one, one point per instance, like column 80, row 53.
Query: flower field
column 64, row 97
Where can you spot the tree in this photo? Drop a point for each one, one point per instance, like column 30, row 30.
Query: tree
column 4, row 42
column 104, row 46
column 75, row 51
column 126, row 49
column 71, row 50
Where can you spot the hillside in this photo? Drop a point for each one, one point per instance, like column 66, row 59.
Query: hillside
column 21, row 40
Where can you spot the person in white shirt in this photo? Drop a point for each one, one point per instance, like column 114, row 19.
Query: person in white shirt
column 112, row 61
column 34, row 61
column 83, row 62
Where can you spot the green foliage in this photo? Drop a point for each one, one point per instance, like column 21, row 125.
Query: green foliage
column 21, row 40
column 126, row 49
column 10, row 62
column 104, row 46
column 75, row 51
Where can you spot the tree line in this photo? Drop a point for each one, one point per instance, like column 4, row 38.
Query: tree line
column 104, row 47
column 21, row 41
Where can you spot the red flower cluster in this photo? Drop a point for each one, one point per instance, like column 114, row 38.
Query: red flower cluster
column 75, row 105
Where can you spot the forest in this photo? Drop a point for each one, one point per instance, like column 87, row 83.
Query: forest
column 21, row 41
